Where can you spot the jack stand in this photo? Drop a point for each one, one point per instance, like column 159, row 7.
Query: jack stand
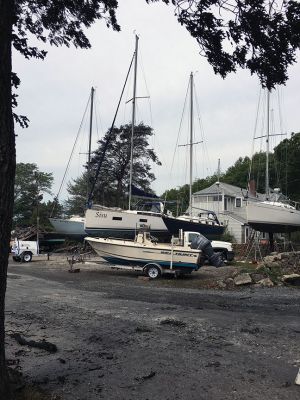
column 71, row 262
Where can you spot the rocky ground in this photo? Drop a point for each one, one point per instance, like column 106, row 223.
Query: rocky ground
column 109, row 334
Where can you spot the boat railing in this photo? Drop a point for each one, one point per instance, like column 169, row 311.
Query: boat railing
column 120, row 239
column 101, row 207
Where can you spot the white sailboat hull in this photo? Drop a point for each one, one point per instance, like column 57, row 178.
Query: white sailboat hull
column 122, row 223
column 131, row 252
column 272, row 217
column 69, row 227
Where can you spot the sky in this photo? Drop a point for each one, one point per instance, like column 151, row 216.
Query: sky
column 54, row 93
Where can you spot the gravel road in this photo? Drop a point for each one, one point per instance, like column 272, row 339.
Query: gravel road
column 120, row 337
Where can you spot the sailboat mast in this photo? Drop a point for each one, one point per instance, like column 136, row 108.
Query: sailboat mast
column 191, row 138
column 90, row 144
column 133, row 120
column 267, row 189
column 218, row 185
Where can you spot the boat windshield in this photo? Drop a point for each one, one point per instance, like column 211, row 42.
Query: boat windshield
column 156, row 207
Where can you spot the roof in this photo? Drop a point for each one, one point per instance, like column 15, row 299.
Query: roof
column 228, row 189
column 236, row 217
column 234, row 191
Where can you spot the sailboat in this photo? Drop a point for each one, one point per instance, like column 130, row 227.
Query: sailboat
column 113, row 222
column 206, row 222
column 73, row 227
column 272, row 214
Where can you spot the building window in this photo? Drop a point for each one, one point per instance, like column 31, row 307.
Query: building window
column 217, row 198
column 214, row 198
column 238, row 202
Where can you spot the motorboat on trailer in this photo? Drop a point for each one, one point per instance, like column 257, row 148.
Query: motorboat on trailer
column 183, row 255
column 146, row 250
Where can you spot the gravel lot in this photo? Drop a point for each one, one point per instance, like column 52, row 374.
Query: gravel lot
column 121, row 337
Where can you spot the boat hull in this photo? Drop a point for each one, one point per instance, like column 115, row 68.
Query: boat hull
column 123, row 224
column 125, row 252
column 265, row 217
column 209, row 230
column 68, row 227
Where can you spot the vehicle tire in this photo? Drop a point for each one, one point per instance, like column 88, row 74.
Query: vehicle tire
column 216, row 260
column 27, row 257
column 16, row 258
column 153, row 271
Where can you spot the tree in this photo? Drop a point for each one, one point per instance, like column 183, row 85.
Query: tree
column 59, row 23
column 237, row 174
column 112, row 186
column 30, row 184
column 264, row 36
column 284, row 172
column 287, row 155
column 182, row 195
column 260, row 35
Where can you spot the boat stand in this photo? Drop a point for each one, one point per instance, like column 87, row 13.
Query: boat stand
column 254, row 245
column 288, row 245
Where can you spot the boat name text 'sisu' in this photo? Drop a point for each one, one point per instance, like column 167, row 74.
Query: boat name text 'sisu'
column 101, row 215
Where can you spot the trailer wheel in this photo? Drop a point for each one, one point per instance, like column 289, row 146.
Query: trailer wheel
column 27, row 257
column 153, row 271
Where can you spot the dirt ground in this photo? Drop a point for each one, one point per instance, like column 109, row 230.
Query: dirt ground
column 122, row 337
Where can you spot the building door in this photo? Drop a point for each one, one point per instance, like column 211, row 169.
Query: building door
column 225, row 203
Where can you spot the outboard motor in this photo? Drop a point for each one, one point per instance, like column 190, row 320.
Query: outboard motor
column 203, row 244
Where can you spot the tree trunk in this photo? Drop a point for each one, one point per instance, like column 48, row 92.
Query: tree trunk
column 7, row 170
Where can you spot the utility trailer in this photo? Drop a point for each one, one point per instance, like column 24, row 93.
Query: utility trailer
column 154, row 270
column 23, row 250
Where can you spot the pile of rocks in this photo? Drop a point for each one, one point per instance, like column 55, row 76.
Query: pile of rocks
column 246, row 278
column 288, row 263
column 275, row 269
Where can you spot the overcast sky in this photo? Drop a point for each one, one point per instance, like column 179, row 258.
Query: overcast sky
column 54, row 93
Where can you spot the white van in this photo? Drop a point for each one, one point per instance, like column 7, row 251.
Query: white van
column 23, row 250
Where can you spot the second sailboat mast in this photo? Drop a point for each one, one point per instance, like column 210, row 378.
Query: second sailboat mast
column 191, row 138
column 268, row 146
column 133, row 120
column 90, row 145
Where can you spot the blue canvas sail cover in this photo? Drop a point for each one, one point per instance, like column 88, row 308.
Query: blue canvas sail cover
column 141, row 193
